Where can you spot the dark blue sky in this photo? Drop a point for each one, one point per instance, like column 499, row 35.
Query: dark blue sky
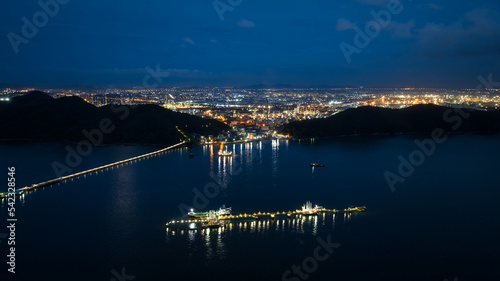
column 110, row 43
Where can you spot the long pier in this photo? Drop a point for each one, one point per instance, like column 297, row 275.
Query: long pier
column 79, row 174
column 272, row 215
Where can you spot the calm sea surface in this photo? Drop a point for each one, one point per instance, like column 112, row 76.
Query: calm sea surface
column 442, row 222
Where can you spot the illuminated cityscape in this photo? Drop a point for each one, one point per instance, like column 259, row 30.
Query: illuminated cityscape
column 229, row 140
column 257, row 113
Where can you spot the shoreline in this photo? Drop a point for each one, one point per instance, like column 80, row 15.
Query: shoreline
column 392, row 135
column 17, row 141
column 36, row 141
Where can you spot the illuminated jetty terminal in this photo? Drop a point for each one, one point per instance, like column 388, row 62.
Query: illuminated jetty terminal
column 218, row 219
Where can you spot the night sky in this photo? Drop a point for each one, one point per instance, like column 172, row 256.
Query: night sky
column 245, row 42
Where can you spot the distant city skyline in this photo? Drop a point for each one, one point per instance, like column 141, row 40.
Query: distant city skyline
column 238, row 43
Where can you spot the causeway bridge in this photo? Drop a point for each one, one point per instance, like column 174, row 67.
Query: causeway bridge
column 83, row 173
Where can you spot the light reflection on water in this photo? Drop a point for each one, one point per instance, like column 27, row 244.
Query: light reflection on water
column 19, row 200
column 213, row 241
column 249, row 157
column 354, row 175
column 275, row 148
column 347, row 217
column 244, row 156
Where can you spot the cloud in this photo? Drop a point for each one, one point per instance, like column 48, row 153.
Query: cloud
column 344, row 24
column 401, row 29
column 188, row 40
column 246, row 23
column 162, row 72
column 477, row 33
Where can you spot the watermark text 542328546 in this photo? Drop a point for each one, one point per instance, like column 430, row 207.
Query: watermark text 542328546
column 11, row 220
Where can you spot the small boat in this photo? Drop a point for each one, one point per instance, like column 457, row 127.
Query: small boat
column 221, row 212
column 316, row 165
column 197, row 215
column 223, row 152
column 191, row 155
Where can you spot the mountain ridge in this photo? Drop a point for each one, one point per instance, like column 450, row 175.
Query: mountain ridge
column 38, row 116
column 377, row 120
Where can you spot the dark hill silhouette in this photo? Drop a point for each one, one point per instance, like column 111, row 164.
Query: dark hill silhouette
column 376, row 120
column 37, row 115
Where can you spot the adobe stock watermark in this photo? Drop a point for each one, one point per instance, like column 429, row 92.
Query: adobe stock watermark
column 30, row 28
column 381, row 19
column 156, row 74
column 310, row 264
column 223, row 6
column 95, row 137
column 211, row 190
column 427, row 147
column 121, row 276
column 487, row 84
